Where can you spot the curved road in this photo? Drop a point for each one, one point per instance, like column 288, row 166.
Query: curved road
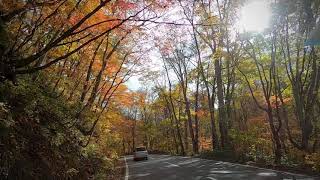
column 165, row 167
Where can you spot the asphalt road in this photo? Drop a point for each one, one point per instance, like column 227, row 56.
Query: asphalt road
column 164, row 167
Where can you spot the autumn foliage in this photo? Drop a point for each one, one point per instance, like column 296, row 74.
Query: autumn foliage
column 205, row 89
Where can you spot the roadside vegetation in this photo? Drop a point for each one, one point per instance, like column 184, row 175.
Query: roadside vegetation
column 38, row 141
column 206, row 88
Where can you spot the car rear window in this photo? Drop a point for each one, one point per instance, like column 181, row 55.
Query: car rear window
column 140, row 149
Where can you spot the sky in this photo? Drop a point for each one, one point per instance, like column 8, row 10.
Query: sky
column 255, row 16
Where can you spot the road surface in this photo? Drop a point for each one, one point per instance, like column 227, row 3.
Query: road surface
column 165, row 167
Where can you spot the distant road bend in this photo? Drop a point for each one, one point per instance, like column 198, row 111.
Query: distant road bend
column 165, row 167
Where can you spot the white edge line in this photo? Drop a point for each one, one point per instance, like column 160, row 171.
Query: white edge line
column 126, row 177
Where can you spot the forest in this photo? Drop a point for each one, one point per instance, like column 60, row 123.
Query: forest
column 204, row 87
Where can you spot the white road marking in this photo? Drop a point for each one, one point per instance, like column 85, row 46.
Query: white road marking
column 267, row 174
column 211, row 178
column 190, row 160
column 141, row 175
column 265, row 169
column 201, row 177
column 221, row 172
column 171, row 165
column 126, row 177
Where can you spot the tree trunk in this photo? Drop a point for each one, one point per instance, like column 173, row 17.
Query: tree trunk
column 275, row 136
column 214, row 136
column 88, row 76
column 196, row 120
column 173, row 111
column 221, row 108
column 189, row 119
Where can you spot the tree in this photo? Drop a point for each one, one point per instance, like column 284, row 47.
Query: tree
column 47, row 32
